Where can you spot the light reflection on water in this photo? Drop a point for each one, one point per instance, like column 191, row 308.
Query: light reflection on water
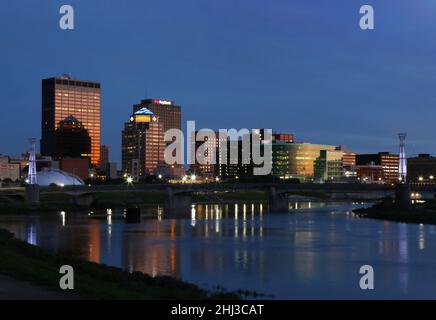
column 314, row 251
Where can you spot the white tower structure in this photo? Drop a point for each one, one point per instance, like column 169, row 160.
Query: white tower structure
column 32, row 162
column 402, row 169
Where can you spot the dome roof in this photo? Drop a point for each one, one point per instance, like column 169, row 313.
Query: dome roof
column 49, row 176
column 71, row 119
column 144, row 111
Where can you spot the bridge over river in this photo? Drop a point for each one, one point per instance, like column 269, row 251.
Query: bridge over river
column 178, row 196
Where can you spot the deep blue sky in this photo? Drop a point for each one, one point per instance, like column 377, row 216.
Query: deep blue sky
column 292, row 65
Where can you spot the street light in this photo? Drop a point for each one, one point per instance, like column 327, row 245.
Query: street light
column 129, row 180
column 159, row 176
column 193, row 177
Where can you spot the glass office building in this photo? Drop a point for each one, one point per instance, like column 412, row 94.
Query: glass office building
column 142, row 145
column 329, row 166
column 62, row 97
column 297, row 160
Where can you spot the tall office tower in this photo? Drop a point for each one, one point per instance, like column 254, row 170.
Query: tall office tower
column 170, row 117
column 169, row 114
column 142, row 145
column 62, row 97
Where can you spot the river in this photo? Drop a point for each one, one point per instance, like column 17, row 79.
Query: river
column 314, row 251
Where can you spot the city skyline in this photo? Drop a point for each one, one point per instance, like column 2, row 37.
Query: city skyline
column 233, row 150
column 319, row 77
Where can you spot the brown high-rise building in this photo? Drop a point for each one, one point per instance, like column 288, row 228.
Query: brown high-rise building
column 388, row 161
column 169, row 114
column 170, row 117
column 62, row 97
column 142, row 144
column 349, row 159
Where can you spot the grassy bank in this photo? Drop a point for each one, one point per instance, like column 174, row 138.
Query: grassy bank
column 424, row 214
column 92, row 281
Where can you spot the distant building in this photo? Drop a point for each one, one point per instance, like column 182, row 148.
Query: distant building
column 225, row 169
column 209, row 167
column 104, row 158
column 370, row 173
column 112, row 172
column 62, row 97
column 9, row 171
column 349, row 164
column 283, row 137
column 349, row 159
column 142, row 145
column 76, row 166
column 421, row 169
column 388, row 161
column 169, row 114
column 170, row 172
column 72, row 140
column 297, row 160
column 328, row 167
column 244, row 165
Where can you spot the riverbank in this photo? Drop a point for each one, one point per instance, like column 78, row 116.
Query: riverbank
column 36, row 267
column 421, row 214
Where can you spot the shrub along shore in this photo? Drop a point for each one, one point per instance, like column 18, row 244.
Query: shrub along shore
column 418, row 213
column 26, row 262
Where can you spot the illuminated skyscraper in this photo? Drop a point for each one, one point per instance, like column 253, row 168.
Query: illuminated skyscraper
column 170, row 117
column 142, row 146
column 169, row 114
column 62, row 97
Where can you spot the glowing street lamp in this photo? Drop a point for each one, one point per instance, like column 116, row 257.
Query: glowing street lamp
column 159, row 176
column 420, row 178
column 129, row 180
column 193, row 177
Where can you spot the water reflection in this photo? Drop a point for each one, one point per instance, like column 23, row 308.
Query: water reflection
column 314, row 251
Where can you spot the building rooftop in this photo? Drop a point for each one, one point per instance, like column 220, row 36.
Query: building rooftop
column 144, row 111
column 71, row 118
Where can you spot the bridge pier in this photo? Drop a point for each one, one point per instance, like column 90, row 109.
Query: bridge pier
column 277, row 203
column 83, row 200
column 32, row 194
column 402, row 196
column 177, row 204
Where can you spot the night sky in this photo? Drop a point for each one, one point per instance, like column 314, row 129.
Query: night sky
column 291, row 65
